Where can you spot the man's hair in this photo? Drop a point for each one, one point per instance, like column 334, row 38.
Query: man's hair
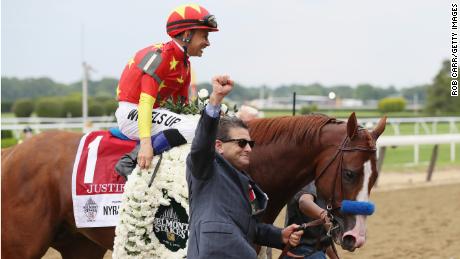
column 226, row 123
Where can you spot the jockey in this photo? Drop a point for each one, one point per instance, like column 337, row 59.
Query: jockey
column 155, row 74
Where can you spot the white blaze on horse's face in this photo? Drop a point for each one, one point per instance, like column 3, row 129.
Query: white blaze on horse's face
column 359, row 230
column 363, row 194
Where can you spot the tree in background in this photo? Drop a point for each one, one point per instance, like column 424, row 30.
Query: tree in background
column 13, row 88
column 342, row 91
column 418, row 92
column 367, row 92
column 312, row 89
column 438, row 94
column 7, row 106
column 104, row 90
column 239, row 92
column 104, row 87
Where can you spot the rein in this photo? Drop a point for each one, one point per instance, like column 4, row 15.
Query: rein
column 304, row 226
column 286, row 251
column 155, row 171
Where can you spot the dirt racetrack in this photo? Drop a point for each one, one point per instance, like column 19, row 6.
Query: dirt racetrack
column 414, row 223
column 413, row 219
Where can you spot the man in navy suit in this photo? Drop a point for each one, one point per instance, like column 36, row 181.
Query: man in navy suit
column 225, row 203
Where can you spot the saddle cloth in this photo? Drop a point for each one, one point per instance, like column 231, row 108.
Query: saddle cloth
column 96, row 186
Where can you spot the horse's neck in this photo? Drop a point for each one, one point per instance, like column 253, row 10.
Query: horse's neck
column 281, row 171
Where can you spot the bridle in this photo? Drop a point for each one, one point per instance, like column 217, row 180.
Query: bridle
column 333, row 204
column 337, row 188
column 344, row 147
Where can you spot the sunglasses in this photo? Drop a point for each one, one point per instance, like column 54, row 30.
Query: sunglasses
column 241, row 142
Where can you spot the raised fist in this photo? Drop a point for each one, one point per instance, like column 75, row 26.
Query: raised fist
column 221, row 86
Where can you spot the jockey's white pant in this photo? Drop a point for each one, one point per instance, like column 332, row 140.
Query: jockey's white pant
column 162, row 119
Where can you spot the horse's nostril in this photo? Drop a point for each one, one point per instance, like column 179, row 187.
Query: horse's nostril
column 348, row 242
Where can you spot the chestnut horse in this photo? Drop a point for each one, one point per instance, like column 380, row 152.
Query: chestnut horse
column 37, row 210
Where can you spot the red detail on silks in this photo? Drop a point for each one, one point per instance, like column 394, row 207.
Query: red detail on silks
column 109, row 150
column 252, row 195
column 189, row 19
column 134, row 81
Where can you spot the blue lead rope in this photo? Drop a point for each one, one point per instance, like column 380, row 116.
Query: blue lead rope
column 357, row 207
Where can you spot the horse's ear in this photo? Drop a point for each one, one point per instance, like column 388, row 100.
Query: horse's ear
column 352, row 126
column 379, row 128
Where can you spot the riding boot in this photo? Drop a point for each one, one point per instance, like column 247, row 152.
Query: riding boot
column 127, row 162
column 161, row 142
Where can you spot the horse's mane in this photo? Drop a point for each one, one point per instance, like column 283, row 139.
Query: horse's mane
column 288, row 129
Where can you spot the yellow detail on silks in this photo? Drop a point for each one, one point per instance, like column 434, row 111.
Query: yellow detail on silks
column 173, row 64
column 162, row 85
column 193, row 91
column 180, row 80
column 196, row 7
column 157, row 46
column 118, row 90
column 144, row 111
column 130, row 62
column 181, row 9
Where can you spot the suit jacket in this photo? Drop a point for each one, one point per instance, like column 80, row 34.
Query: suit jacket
column 222, row 224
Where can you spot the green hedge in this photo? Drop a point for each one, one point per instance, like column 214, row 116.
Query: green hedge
column 72, row 107
column 110, row 106
column 7, row 134
column 306, row 109
column 49, row 107
column 8, row 142
column 23, row 107
column 392, row 104
column 96, row 109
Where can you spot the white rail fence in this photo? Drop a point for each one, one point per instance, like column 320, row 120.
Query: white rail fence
column 39, row 120
column 421, row 123
column 39, row 124
column 417, row 140
column 390, row 141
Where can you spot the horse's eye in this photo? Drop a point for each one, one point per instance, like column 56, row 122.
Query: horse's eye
column 349, row 175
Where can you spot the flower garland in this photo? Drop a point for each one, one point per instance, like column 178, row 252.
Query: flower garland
column 135, row 237
column 134, row 234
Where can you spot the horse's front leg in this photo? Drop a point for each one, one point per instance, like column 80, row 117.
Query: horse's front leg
column 74, row 245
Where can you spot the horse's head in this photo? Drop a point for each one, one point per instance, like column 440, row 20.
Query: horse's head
column 346, row 171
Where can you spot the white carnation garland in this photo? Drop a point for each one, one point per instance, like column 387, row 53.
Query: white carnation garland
column 134, row 235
